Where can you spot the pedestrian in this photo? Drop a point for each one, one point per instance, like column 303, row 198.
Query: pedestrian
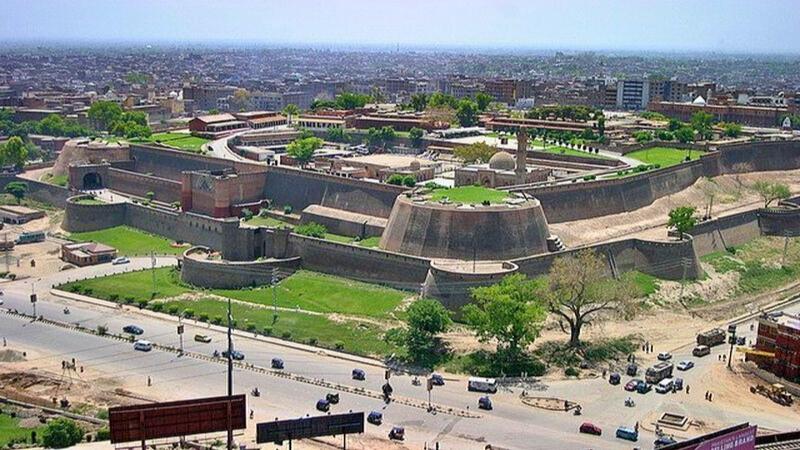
column 706, row 396
column 687, row 389
column 637, row 426
column 710, row 397
column 4, row 342
column 149, row 381
column 604, row 373
column 719, row 357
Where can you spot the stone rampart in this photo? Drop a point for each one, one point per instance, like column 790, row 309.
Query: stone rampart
column 83, row 217
column 198, row 270
column 165, row 190
column 39, row 191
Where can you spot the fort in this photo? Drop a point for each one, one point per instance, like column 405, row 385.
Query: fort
column 441, row 249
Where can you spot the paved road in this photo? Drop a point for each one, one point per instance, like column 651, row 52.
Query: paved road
column 510, row 425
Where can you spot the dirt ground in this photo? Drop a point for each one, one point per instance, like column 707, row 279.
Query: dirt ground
column 45, row 254
column 731, row 194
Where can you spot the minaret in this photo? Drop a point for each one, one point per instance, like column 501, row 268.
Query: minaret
column 522, row 154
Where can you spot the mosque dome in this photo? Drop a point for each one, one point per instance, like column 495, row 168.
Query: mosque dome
column 502, row 161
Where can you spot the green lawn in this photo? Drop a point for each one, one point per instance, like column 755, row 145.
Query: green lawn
column 559, row 150
column 137, row 285
column 469, row 194
column 663, row 156
column 355, row 337
column 58, row 180
column 129, row 241
column 324, row 293
column 180, row 141
column 759, row 264
column 370, row 242
column 275, row 223
column 90, row 201
column 10, row 430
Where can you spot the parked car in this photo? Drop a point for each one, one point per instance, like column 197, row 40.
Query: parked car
column 590, row 428
column 644, row 387
column 133, row 329
column 664, row 386
column 398, row 433
column 323, row 405
column 633, row 384
column 701, row 350
column 437, row 380
column 375, row 418
column 202, row 338
column 685, row 365
column 741, row 340
column 276, row 363
column 120, row 260
column 235, row 355
column 614, row 378
column 663, row 441
column 332, row 397
column 664, row 356
column 678, row 383
column 359, row 375
column 142, row 345
column 632, row 370
column 485, row 403
column 627, row 433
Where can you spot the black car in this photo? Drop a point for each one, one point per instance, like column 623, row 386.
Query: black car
column 614, row 378
column 485, row 403
column 375, row 418
column 332, row 397
column 398, row 433
column 632, row 370
column 236, row 355
column 359, row 375
column 437, row 380
column 133, row 329
column 323, row 405
column 276, row 363
column 663, row 441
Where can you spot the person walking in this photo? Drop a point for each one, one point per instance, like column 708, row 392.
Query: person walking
column 687, row 389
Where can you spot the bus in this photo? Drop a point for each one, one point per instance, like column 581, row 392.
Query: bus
column 29, row 237
column 660, row 371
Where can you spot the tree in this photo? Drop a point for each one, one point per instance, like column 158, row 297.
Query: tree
column 507, row 312
column 425, row 318
column 579, row 290
column 674, row 125
column 664, row 135
column 351, row 100
column 415, row 136
column 302, row 150
column 419, row 102
column 409, row 181
column 14, row 152
column 643, row 136
column 682, row 219
column 482, row 100
column 395, row 179
column 684, row 135
column 702, row 122
column 104, row 113
column 337, row 134
column 18, row 189
column 290, row 111
column 439, row 100
column 770, row 192
column 467, row 113
column 479, row 152
column 732, row 129
column 61, row 433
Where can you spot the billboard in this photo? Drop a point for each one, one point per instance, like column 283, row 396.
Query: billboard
column 308, row 427
column 179, row 418
column 743, row 439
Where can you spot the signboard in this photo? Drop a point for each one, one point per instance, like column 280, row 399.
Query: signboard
column 744, row 439
column 173, row 419
column 308, row 427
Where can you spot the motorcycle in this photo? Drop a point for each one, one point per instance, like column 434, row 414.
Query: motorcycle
column 416, row 381
column 255, row 392
column 630, row 403
column 66, row 310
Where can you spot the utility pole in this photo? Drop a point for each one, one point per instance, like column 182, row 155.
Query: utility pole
column 785, row 248
column 685, row 264
column 153, row 270
column 274, row 294
column 180, row 332
column 230, row 375
column 732, row 341
column 33, row 298
column 5, row 250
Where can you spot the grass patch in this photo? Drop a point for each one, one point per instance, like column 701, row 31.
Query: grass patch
column 760, row 263
column 370, row 242
column 317, row 292
column 646, row 284
column 138, row 285
column 559, row 150
column 560, row 354
column 90, row 201
column 469, row 195
column 8, row 199
column 663, row 156
column 58, row 180
column 11, row 432
column 268, row 221
column 483, row 363
column 180, row 141
column 129, row 241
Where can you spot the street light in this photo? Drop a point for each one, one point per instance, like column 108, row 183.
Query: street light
column 732, row 341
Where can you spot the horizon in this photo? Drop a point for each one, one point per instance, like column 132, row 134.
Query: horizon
column 714, row 27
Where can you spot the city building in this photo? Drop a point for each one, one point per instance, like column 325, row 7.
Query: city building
column 216, row 123
column 19, row 214
column 205, row 97
column 778, row 344
column 633, row 94
column 503, row 169
column 382, row 166
column 756, row 116
column 87, row 253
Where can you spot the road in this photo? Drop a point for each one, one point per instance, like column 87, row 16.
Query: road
column 510, row 425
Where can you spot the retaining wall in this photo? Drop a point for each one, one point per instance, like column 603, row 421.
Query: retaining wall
column 39, row 191
column 165, row 190
column 79, row 218
column 223, row 274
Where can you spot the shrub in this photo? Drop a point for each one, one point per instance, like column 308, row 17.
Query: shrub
column 338, row 345
column 188, row 312
column 263, row 212
column 251, row 327
column 102, row 330
column 395, row 179
column 287, row 209
column 247, row 214
column 312, row 229
column 571, row 372
column 103, row 434
column 409, row 181
column 102, row 414
column 142, row 303
column 216, row 320
column 76, row 288
column 267, row 331
column 172, row 309
column 113, row 297
column 286, row 335
column 589, row 177
column 150, row 195
column 312, row 341
column 486, row 203
column 129, row 299
column 158, row 307
column 61, row 433
column 203, row 317
column 88, row 291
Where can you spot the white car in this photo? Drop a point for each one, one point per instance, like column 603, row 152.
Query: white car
column 120, row 260
column 142, row 345
column 664, row 356
column 685, row 365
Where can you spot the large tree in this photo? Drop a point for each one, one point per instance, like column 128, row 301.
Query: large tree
column 302, row 150
column 684, row 135
column 290, row 111
column 509, row 313
column 580, row 289
column 467, row 113
column 14, row 152
column 771, row 192
column 104, row 113
column 702, row 123
column 482, row 99
column 425, row 318
column 682, row 219
column 419, row 102
column 61, row 433
column 17, row 189
column 479, row 152
column 415, row 136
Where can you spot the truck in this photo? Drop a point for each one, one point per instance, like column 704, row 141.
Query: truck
column 660, row 371
column 711, row 338
column 482, row 385
column 28, row 237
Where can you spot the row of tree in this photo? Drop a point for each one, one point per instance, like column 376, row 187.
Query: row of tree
column 109, row 116
column 566, row 112
column 52, row 125
column 701, row 127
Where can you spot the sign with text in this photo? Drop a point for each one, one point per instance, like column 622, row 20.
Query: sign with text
column 744, row 439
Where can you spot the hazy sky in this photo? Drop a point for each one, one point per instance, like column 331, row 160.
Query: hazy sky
column 727, row 26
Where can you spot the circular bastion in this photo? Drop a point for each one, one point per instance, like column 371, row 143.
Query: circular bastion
column 80, row 216
column 421, row 227
column 205, row 268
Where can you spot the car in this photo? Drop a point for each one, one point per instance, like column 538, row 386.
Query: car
column 741, row 340
column 133, row 329
column 375, row 418
column 644, row 387
column 359, row 375
column 276, row 363
column 437, row 380
column 332, row 397
column 485, row 403
column 664, row 356
column 633, row 384
column 701, row 350
column 202, row 338
column 120, row 260
column 142, row 345
column 1, row 301
column 398, row 433
column 323, row 405
column 631, row 370
column 663, row 441
column 614, row 378
column 678, row 383
column 627, row 433
column 590, row 428
column 236, row 355
column 664, row 386
column 685, row 365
